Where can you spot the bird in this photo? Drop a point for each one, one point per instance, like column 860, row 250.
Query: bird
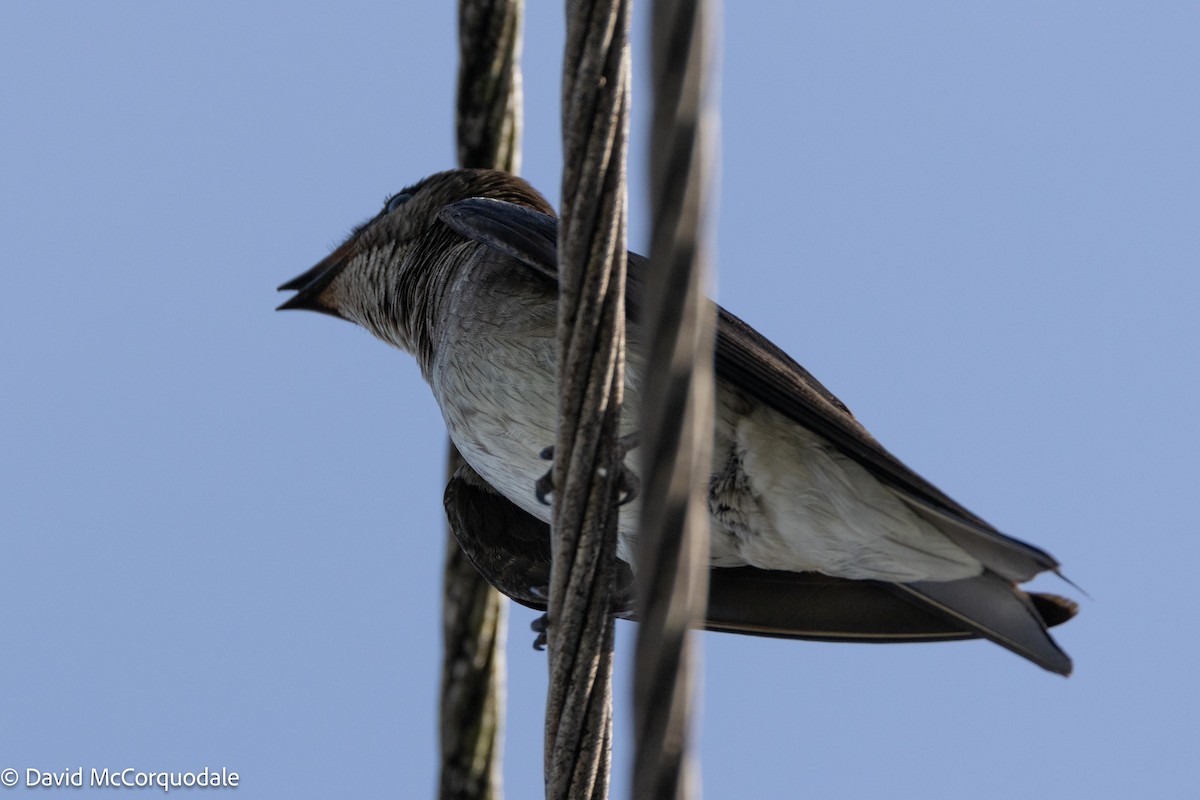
column 817, row 531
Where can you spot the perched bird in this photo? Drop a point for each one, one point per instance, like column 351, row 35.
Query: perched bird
column 817, row 531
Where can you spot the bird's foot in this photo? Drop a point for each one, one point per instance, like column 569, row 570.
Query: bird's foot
column 627, row 482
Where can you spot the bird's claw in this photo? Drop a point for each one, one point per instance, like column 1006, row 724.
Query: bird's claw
column 628, row 484
column 544, row 485
column 540, row 626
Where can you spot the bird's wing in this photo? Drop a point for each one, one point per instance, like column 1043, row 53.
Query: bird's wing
column 509, row 546
column 511, row 549
column 755, row 365
column 758, row 367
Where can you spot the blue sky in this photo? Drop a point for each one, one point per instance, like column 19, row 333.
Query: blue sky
column 220, row 527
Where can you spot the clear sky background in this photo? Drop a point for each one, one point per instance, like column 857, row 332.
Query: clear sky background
column 221, row 527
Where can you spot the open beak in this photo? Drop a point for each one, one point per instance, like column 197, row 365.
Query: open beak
column 310, row 286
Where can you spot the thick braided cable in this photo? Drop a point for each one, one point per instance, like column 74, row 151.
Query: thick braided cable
column 587, row 463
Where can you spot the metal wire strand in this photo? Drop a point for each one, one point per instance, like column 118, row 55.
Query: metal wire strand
column 677, row 406
column 474, row 614
column 591, row 380
column 489, row 84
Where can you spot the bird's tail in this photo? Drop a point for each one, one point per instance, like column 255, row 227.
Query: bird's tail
column 807, row 605
column 995, row 608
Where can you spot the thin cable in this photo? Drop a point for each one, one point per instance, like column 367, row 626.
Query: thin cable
column 677, row 405
column 474, row 617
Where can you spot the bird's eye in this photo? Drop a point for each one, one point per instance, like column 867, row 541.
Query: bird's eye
column 396, row 201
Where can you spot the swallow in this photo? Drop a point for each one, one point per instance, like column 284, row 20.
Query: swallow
column 817, row 531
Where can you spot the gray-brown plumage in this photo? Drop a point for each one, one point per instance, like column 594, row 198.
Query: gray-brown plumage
column 817, row 531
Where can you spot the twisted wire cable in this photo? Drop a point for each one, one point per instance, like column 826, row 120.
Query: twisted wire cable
column 587, row 458
column 677, row 405
column 474, row 615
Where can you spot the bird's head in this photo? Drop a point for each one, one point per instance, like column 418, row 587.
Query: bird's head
column 380, row 277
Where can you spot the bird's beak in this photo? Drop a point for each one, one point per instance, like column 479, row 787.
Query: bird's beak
column 310, row 286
